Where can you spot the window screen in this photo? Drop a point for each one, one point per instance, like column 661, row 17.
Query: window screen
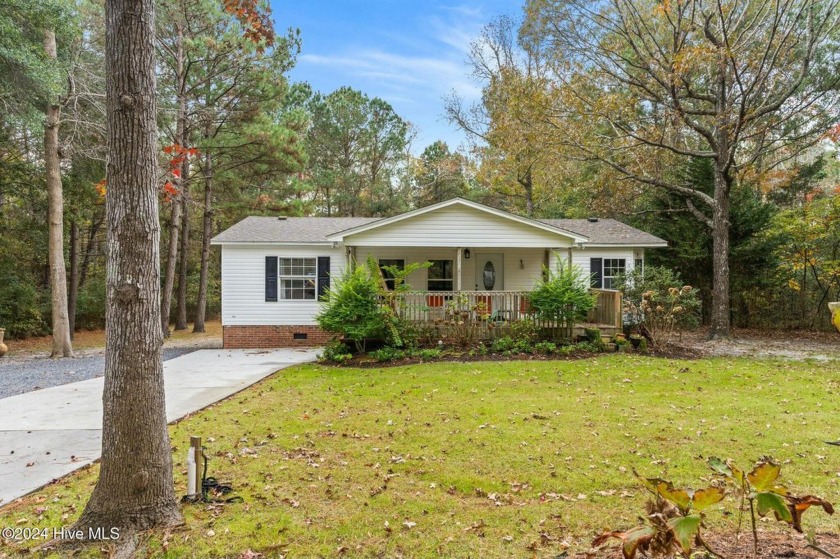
column 298, row 278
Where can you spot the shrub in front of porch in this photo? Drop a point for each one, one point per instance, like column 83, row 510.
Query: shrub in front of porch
column 657, row 304
column 352, row 308
column 562, row 298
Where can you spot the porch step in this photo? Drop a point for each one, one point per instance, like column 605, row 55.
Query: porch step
column 607, row 331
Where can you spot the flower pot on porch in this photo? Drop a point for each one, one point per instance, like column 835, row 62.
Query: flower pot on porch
column 3, row 347
column 833, row 307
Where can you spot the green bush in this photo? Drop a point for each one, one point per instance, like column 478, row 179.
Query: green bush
column 588, row 346
column 546, row 348
column 563, row 297
column 566, row 349
column 427, row 354
column 479, row 350
column 594, row 339
column 524, row 346
column 20, row 305
column 505, row 343
column 335, row 351
column 525, row 330
column 352, row 308
column 388, row 353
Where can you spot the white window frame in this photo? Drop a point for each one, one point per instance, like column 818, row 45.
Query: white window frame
column 302, row 280
column 615, row 269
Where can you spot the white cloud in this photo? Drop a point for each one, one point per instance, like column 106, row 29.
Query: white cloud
column 413, row 65
column 400, row 72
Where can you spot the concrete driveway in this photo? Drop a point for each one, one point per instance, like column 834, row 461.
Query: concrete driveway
column 49, row 433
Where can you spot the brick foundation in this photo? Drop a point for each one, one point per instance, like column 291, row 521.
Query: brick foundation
column 255, row 337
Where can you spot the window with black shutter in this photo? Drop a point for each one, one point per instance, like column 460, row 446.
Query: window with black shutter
column 323, row 276
column 271, row 278
column 596, row 270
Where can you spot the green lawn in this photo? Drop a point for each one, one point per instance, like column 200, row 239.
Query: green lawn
column 511, row 459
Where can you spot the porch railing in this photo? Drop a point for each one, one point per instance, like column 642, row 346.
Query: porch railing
column 607, row 309
column 498, row 306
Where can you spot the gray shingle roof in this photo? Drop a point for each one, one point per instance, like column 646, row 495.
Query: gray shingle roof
column 606, row 232
column 259, row 229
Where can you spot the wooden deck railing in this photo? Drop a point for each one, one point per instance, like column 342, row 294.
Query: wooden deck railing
column 507, row 306
column 607, row 309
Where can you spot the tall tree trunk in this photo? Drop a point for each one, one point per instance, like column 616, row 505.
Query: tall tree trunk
column 201, row 308
column 75, row 247
column 171, row 262
column 527, row 183
column 91, row 246
column 175, row 216
column 720, row 316
column 61, row 344
column 135, row 489
column 181, row 319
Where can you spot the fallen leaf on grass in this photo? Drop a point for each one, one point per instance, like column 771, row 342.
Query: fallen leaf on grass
column 476, row 527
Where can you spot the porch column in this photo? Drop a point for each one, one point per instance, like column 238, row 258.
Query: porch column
column 350, row 253
column 546, row 267
column 460, row 253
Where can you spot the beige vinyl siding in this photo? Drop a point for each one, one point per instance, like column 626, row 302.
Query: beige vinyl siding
column 458, row 226
column 243, row 285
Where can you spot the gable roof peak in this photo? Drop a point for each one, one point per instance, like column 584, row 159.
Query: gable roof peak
column 576, row 237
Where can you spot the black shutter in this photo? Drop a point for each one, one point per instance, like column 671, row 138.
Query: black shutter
column 596, row 269
column 271, row 278
column 323, row 276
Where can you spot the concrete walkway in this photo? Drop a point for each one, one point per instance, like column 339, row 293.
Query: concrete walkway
column 49, row 433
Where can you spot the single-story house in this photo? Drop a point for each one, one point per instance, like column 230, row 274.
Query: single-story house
column 275, row 269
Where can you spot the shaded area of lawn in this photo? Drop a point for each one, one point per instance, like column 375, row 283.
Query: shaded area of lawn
column 479, row 459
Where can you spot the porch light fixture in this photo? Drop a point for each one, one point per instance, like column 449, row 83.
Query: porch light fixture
column 521, row 264
column 467, row 253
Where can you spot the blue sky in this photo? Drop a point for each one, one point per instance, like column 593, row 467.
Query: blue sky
column 410, row 53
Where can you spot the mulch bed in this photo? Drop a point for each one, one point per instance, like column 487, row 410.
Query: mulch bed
column 365, row 362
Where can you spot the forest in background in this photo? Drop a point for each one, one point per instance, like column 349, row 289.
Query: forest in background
column 237, row 138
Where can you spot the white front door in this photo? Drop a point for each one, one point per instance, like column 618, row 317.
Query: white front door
column 489, row 272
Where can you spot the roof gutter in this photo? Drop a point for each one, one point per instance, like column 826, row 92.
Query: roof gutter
column 275, row 243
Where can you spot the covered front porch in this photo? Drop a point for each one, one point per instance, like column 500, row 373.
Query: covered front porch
column 483, row 263
column 501, row 308
column 490, row 284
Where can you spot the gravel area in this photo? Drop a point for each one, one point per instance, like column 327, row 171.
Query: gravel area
column 794, row 345
column 25, row 374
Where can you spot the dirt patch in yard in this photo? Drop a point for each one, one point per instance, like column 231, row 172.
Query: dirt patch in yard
column 771, row 545
column 796, row 345
column 90, row 343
